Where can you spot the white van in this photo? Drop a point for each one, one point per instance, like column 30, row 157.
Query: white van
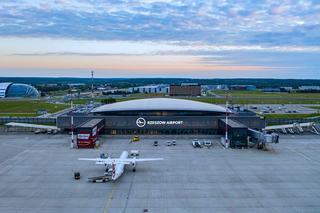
column 207, row 143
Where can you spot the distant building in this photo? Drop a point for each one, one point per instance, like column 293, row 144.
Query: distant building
column 115, row 91
column 185, row 89
column 309, row 89
column 76, row 84
column 286, row 89
column 15, row 90
column 161, row 88
column 243, row 87
column 271, row 90
column 222, row 87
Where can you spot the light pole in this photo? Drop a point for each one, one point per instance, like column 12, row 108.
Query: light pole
column 226, row 133
column 92, row 72
column 72, row 126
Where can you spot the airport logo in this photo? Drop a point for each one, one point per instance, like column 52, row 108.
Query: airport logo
column 141, row 122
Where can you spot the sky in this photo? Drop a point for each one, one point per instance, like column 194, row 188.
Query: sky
column 160, row 38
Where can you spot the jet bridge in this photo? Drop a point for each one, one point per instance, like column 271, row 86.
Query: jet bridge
column 261, row 139
column 242, row 136
column 295, row 128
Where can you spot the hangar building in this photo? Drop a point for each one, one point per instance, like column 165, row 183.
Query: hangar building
column 15, row 90
column 160, row 116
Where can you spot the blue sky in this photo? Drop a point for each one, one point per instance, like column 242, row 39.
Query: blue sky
column 165, row 38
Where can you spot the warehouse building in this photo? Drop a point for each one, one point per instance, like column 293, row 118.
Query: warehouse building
column 185, row 89
column 160, row 116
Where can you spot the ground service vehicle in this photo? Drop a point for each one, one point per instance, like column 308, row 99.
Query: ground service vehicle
column 135, row 138
column 196, row 143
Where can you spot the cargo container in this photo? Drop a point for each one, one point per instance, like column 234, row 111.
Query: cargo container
column 237, row 133
column 88, row 133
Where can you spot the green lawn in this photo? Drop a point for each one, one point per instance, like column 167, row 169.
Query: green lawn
column 27, row 107
column 258, row 97
column 235, row 97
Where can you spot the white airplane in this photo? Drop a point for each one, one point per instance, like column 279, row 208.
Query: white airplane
column 118, row 164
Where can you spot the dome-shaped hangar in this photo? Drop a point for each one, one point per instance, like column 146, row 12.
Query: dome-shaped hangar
column 160, row 106
column 15, row 90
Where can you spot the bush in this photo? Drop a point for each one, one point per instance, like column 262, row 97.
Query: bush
column 108, row 101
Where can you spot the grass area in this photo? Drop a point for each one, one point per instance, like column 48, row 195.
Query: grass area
column 235, row 97
column 19, row 114
column 27, row 107
column 258, row 97
column 81, row 101
column 291, row 116
column 237, row 100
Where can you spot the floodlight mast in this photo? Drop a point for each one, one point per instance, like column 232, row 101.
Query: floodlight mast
column 92, row 73
column 226, row 133
column 72, row 126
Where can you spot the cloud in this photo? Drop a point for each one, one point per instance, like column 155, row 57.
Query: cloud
column 216, row 22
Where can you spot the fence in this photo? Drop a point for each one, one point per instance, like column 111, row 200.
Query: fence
column 4, row 129
column 32, row 120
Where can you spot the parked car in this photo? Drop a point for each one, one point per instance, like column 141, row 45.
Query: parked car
column 207, row 143
column 134, row 153
column 169, row 143
column 155, row 143
column 174, row 142
column 196, row 143
column 37, row 131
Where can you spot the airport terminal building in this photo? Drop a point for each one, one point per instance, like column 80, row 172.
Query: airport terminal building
column 160, row 116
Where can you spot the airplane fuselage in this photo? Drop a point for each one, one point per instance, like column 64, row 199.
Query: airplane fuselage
column 119, row 167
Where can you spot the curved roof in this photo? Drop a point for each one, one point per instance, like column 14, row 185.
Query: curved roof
column 159, row 104
column 8, row 89
column 3, row 88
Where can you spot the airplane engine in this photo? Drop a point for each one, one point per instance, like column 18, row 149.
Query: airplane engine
column 134, row 164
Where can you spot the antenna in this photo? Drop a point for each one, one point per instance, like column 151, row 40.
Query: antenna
column 226, row 136
column 92, row 73
column 72, row 126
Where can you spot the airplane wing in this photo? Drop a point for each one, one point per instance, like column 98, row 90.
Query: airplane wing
column 119, row 160
column 90, row 159
column 143, row 159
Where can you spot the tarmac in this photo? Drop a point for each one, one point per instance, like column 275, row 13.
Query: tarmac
column 36, row 175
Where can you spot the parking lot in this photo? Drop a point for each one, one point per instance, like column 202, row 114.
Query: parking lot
column 36, row 175
column 282, row 108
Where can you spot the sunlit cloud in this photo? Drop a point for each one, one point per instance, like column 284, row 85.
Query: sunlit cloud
column 161, row 37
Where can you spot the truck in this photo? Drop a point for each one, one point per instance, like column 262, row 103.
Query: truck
column 88, row 133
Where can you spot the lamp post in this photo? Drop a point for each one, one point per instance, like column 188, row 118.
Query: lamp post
column 226, row 133
column 72, row 126
column 92, row 72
